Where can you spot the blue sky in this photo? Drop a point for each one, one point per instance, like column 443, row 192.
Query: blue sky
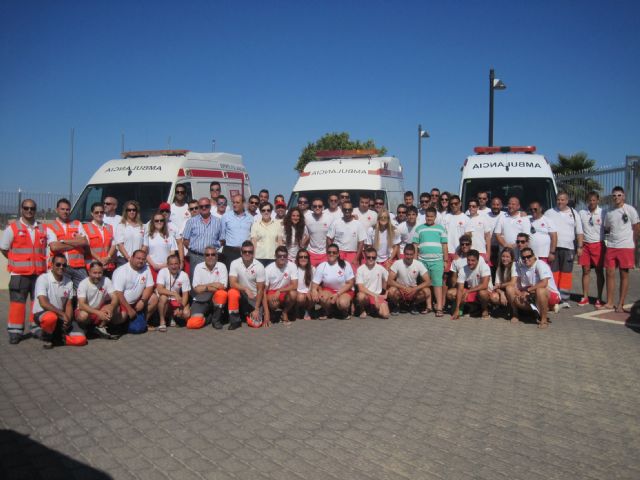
column 264, row 78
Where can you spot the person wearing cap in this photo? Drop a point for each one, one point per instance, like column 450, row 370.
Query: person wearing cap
column 281, row 285
column 281, row 211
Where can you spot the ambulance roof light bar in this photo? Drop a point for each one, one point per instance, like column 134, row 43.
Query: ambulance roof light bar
column 154, row 153
column 359, row 153
column 490, row 150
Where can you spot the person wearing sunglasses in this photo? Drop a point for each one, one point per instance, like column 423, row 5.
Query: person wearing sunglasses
column 281, row 285
column 180, row 207
column 349, row 235
column 332, row 285
column 201, row 231
column 473, row 286
column 317, row 224
column 522, row 242
column 129, row 234
column 536, row 289
column 24, row 244
column 425, row 202
column 265, row 235
column 344, row 197
column 305, row 276
column 385, row 239
column 246, row 281
column 622, row 229
column 210, row 296
column 456, row 223
column 593, row 248
column 431, row 242
column 303, row 205
column 333, row 211
column 110, row 212
column 371, row 280
column 252, row 208
column 482, row 200
column 72, row 241
column 173, row 287
column 221, row 207
column 97, row 303
column 214, row 191
column 443, row 207
column 570, row 244
column 508, row 226
column 158, row 244
column 407, row 223
column 409, row 284
column 481, row 229
column 53, row 309
column 543, row 236
column 102, row 248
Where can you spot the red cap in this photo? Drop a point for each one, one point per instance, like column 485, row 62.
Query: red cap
column 281, row 204
column 164, row 206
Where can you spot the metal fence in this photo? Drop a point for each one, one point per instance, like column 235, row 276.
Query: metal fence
column 46, row 202
column 602, row 180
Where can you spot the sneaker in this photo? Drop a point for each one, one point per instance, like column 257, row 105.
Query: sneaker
column 584, row 301
column 103, row 333
column 565, row 305
column 47, row 345
column 599, row 304
column 14, row 338
column 172, row 322
column 395, row 313
column 414, row 311
column 556, row 308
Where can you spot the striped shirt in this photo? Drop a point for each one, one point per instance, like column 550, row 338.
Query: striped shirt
column 202, row 235
column 430, row 239
column 236, row 228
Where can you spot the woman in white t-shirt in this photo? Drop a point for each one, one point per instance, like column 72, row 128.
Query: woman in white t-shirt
column 332, row 284
column 129, row 232
column 506, row 277
column 158, row 244
column 385, row 239
column 305, row 278
column 294, row 233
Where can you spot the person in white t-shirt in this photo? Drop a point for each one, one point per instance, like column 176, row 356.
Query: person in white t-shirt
column 52, row 309
column 294, row 233
column 97, row 303
column 457, row 224
column 493, row 216
column 158, row 244
column 333, row 211
column 535, row 288
column 364, row 214
column 317, row 224
column 371, row 280
column 593, row 248
column 622, row 229
column 409, row 284
column 407, row 227
column 511, row 224
column 473, row 285
column 172, row 287
column 133, row 285
column 281, row 285
column 505, row 281
column 385, row 239
column 305, row 278
column 332, row 284
column 349, row 235
column 180, row 208
column 543, row 237
column 457, row 265
column 129, row 233
column 570, row 239
column 209, row 290
column 246, row 282
column 110, row 216
column 481, row 229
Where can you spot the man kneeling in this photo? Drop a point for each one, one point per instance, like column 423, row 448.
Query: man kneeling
column 409, row 284
column 210, row 288
column 173, row 287
column 281, row 284
column 536, row 288
column 133, row 285
column 97, row 303
column 473, row 285
column 371, row 279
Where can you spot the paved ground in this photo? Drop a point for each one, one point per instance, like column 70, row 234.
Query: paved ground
column 408, row 398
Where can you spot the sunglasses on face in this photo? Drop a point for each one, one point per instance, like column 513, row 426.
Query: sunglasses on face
column 303, row 202
column 347, row 210
column 282, row 255
column 266, row 210
column 191, row 209
column 424, row 201
column 317, row 206
column 158, row 220
column 253, row 202
column 617, row 195
column 210, row 254
column 206, row 205
column 332, row 252
column 379, row 204
column 333, row 199
column 214, row 189
column 527, row 257
column 180, row 192
column 455, row 203
column 108, row 203
column 303, row 257
column 465, row 244
column 521, row 242
column 344, row 196
column 247, row 252
column 165, row 211
column 371, row 257
column 99, row 212
column 473, row 206
column 60, row 264
column 132, row 209
column 444, row 199
column 222, row 204
column 402, row 212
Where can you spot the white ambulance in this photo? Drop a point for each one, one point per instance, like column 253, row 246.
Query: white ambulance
column 508, row 172
column 150, row 177
column 354, row 171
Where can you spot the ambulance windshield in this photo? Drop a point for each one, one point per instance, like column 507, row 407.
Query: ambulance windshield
column 526, row 189
column 150, row 195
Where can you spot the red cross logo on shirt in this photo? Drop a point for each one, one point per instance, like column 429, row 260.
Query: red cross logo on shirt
column 340, row 273
column 286, row 275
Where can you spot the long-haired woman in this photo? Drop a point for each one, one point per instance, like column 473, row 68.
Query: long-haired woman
column 294, row 232
column 385, row 239
column 129, row 232
column 506, row 278
column 305, row 278
column 159, row 244
column 332, row 284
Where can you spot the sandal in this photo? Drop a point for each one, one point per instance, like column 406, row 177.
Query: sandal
column 439, row 313
column 162, row 328
column 544, row 325
column 426, row 311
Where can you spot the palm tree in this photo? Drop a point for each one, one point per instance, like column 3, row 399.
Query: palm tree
column 572, row 176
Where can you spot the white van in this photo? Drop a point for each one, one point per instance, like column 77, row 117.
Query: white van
column 354, row 171
column 150, row 178
column 508, row 172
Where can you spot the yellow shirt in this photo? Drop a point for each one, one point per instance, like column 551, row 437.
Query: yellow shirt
column 265, row 236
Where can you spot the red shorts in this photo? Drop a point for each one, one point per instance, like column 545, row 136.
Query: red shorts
column 92, row 316
column 317, row 258
column 472, row 297
column 174, row 304
column 545, row 260
column 281, row 297
column 372, row 300
column 123, row 309
column 407, row 297
column 350, row 257
column 554, row 298
column 351, row 293
column 593, row 254
column 619, row 257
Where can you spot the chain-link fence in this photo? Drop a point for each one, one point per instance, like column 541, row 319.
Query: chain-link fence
column 46, row 202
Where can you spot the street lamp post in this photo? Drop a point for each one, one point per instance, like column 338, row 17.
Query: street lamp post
column 494, row 84
column 421, row 134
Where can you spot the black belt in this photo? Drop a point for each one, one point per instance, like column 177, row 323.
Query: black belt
column 196, row 253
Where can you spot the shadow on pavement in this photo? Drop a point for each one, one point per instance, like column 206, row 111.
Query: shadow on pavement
column 633, row 323
column 23, row 458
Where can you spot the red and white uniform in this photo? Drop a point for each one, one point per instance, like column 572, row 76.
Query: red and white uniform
column 179, row 215
column 332, row 277
column 318, row 228
column 203, row 276
column 406, row 234
column 367, row 219
column 347, row 234
column 540, row 242
column 456, row 226
column 132, row 282
column 408, row 275
column 511, row 225
column 480, row 225
column 277, row 278
column 57, row 292
column 474, row 277
column 96, row 294
column 249, row 276
column 567, row 224
column 131, row 236
column 303, row 287
column 528, row 277
column 372, row 278
column 383, row 248
column 175, row 283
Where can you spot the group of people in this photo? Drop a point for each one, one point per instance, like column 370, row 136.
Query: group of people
column 200, row 262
